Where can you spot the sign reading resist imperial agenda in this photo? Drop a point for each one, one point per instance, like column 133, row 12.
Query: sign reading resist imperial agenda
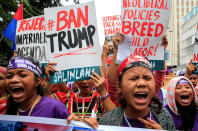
column 72, row 39
column 31, row 38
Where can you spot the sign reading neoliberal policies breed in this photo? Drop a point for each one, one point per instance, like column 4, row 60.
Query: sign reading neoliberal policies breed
column 72, row 39
column 31, row 38
column 145, row 22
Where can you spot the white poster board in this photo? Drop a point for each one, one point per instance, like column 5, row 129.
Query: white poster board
column 145, row 23
column 72, row 39
column 31, row 38
column 112, row 25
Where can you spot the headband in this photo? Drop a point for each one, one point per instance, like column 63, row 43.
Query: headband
column 26, row 64
column 133, row 61
column 183, row 81
column 169, row 70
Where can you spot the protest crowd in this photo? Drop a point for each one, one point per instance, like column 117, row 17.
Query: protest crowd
column 128, row 94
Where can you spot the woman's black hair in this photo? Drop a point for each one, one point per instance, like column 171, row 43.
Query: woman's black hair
column 12, row 107
column 188, row 115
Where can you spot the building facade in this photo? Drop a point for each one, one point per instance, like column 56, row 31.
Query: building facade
column 187, row 37
column 180, row 8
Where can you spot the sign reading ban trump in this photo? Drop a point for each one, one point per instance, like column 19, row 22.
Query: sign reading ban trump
column 73, row 43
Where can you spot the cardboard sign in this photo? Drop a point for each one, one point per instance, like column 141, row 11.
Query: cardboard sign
column 195, row 56
column 145, row 22
column 112, row 25
column 31, row 38
column 72, row 39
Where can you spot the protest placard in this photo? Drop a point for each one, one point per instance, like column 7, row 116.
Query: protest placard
column 31, row 38
column 72, row 39
column 112, row 25
column 145, row 22
column 195, row 55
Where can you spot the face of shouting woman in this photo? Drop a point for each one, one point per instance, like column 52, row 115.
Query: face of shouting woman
column 21, row 85
column 137, row 88
column 184, row 94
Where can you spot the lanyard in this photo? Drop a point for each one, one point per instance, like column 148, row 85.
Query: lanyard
column 128, row 121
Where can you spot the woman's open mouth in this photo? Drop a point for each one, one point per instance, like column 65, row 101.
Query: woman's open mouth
column 140, row 97
column 185, row 98
column 17, row 92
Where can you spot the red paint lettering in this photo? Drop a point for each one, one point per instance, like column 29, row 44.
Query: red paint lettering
column 136, row 25
column 72, row 19
column 144, row 24
column 195, row 57
column 146, row 41
column 156, row 14
column 22, row 24
column 42, row 23
column 157, row 28
column 62, row 18
column 125, row 3
column 126, row 25
column 82, row 17
column 36, row 24
column 29, row 26
column 150, row 29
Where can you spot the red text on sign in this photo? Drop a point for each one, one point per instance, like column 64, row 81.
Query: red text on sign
column 32, row 24
column 65, row 20
column 142, row 29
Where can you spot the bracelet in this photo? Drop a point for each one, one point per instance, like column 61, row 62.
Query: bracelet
column 104, row 97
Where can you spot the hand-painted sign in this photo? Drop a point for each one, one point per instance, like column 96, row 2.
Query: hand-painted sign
column 72, row 38
column 145, row 22
column 112, row 25
column 31, row 38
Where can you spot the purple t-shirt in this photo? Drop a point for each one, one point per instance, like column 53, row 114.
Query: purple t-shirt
column 136, row 123
column 178, row 121
column 48, row 107
column 176, row 118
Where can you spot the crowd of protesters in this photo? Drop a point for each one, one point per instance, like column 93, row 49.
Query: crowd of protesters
column 128, row 95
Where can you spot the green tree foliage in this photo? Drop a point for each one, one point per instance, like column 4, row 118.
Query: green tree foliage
column 7, row 10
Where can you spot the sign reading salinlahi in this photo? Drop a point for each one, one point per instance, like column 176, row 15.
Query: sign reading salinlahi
column 195, row 56
column 72, row 39
column 31, row 38
column 145, row 22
